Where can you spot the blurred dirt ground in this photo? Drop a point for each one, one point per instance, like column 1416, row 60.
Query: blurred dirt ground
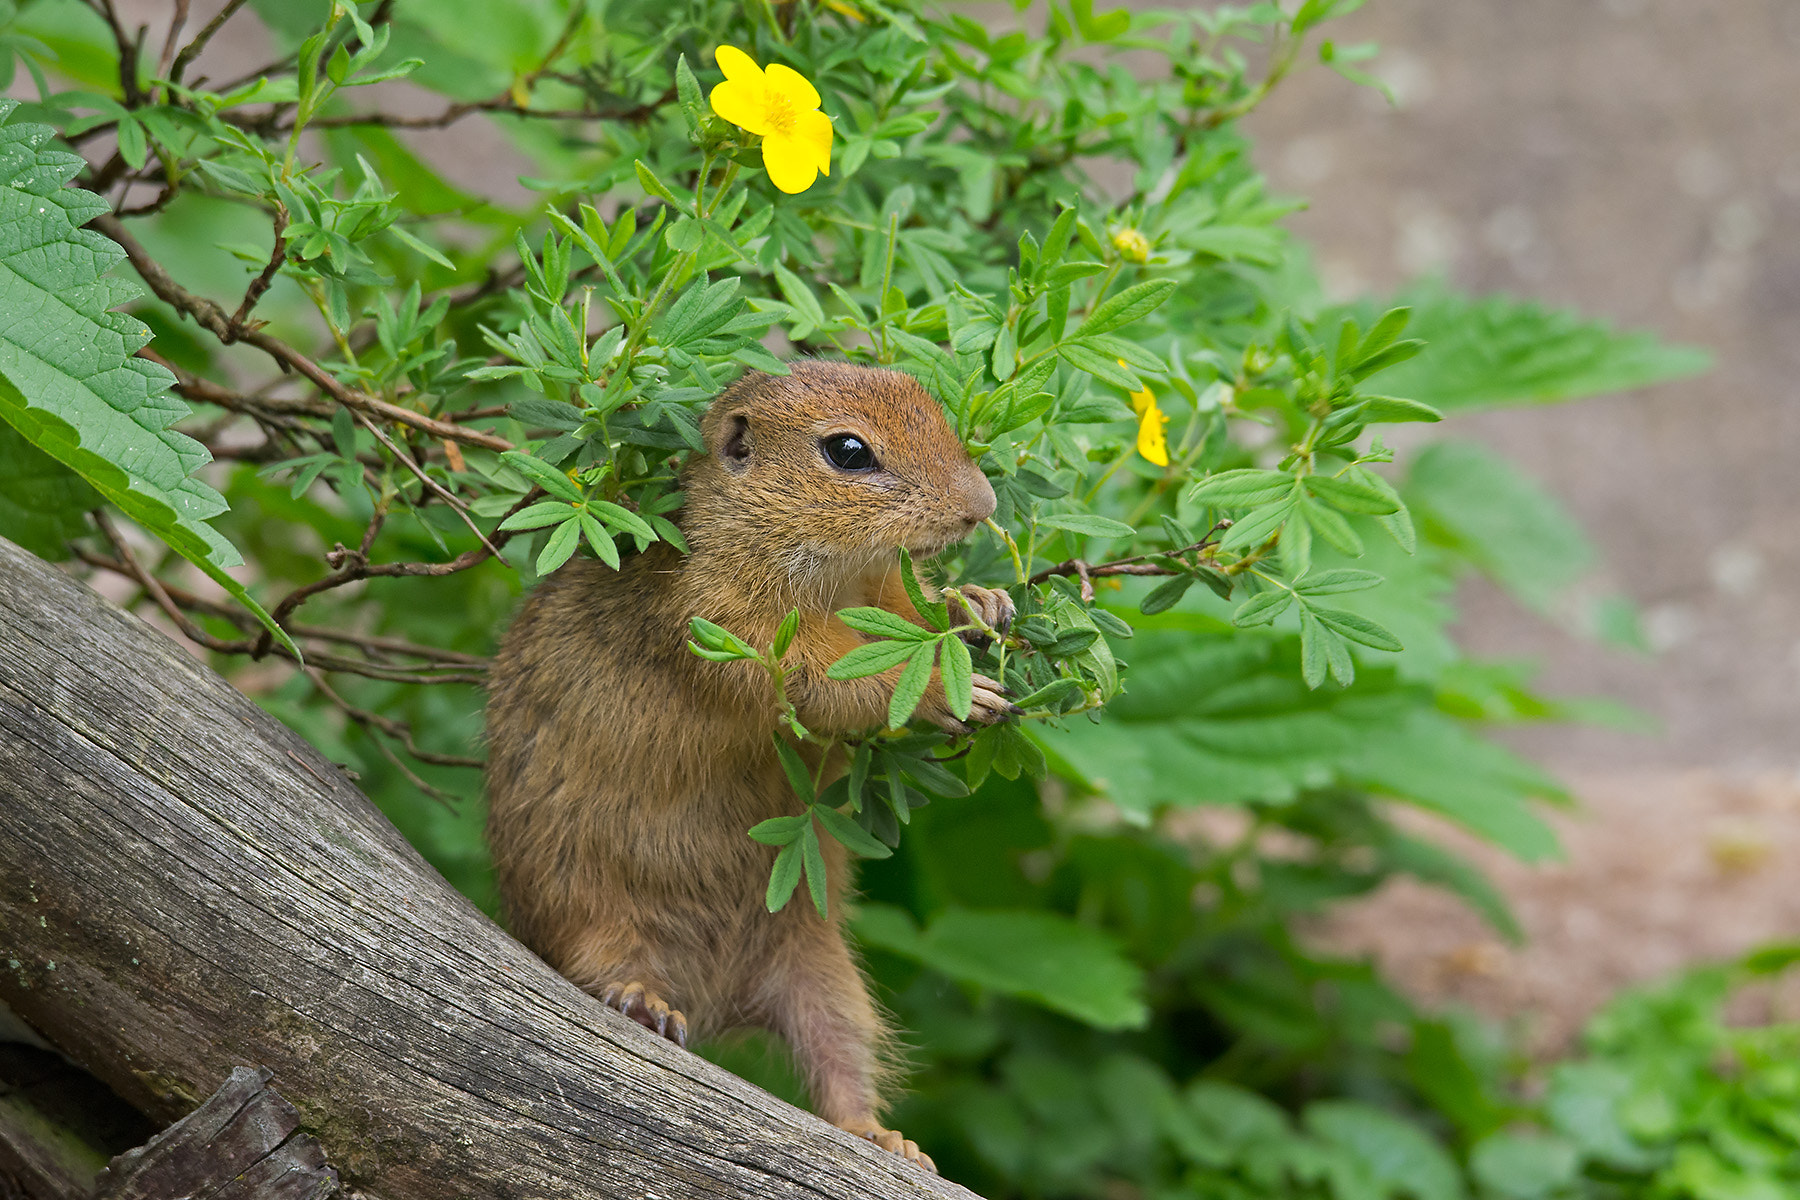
column 1639, row 160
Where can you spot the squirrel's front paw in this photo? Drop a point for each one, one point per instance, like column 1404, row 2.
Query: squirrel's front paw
column 993, row 607
column 647, row 1009
column 989, row 706
column 891, row 1141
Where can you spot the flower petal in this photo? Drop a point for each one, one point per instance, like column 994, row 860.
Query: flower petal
column 790, row 83
column 737, row 65
column 1152, row 442
column 742, row 103
column 789, row 162
column 813, row 130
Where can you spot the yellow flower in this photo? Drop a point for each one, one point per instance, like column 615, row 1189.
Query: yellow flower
column 1152, row 442
column 782, row 108
column 1132, row 245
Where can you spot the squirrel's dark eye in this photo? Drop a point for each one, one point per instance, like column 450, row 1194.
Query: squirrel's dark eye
column 847, row 452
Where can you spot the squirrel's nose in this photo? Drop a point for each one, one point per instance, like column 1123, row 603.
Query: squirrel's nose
column 977, row 496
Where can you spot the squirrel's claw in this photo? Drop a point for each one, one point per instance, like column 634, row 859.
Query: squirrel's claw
column 893, row 1142
column 647, row 1009
column 992, row 606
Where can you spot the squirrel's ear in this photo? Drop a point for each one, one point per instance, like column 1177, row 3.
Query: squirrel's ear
column 734, row 442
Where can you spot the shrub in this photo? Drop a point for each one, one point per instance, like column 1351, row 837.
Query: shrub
column 425, row 398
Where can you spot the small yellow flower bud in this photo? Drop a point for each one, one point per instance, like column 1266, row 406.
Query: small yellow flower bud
column 1132, row 246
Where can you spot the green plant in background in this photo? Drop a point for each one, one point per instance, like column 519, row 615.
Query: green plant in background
column 1233, row 602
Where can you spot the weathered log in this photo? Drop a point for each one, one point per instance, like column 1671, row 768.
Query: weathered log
column 186, row 886
column 243, row 1143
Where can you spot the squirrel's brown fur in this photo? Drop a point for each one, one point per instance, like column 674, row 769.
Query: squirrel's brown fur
column 624, row 770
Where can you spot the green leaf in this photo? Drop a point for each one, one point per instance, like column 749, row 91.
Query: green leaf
column 1327, row 583
column 620, row 517
column 70, row 381
column 784, row 633
column 879, row 622
column 814, row 859
column 1263, row 608
column 1484, row 353
column 598, row 539
column 1088, row 524
column 1398, row 1155
column 909, row 689
column 647, row 179
column 795, row 768
column 853, row 836
column 1051, row 695
column 785, row 876
column 542, row 474
column 1358, row 628
column 871, row 659
column 1126, row 307
column 1242, row 488
column 1037, row 956
column 1165, row 595
column 561, row 546
column 958, row 675
column 936, row 612
column 43, row 504
column 1525, row 1166
column 1351, row 495
column 778, row 831
column 1479, row 505
column 536, row 516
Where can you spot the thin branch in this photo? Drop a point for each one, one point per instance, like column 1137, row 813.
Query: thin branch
column 192, row 50
column 266, row 279
column 398, row 730
column 167, row 57
column 456, row 505
column 1139, row 564
column 174, row 603
column 211, row 317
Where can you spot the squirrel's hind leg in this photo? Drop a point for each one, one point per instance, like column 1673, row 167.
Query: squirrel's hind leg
column 815, row 998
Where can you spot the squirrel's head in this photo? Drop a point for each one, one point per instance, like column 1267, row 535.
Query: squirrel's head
column 835, row 463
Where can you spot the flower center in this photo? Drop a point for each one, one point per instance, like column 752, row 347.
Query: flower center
column 780, row 113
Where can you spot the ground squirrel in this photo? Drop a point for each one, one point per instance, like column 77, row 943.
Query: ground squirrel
column 623, row 770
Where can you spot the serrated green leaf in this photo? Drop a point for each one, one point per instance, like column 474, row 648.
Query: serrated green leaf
column 1483, row 353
